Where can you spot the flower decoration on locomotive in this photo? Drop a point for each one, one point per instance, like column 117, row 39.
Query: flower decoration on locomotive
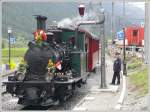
column 40, row 36
column 53, row 69
column 22, row 65
column 51, row 66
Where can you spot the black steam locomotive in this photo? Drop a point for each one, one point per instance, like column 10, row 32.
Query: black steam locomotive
column 52, row 68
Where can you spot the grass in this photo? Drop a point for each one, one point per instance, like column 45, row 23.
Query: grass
column 135, row 63
column 16, row 54
column 139, row 80
column 15, row 59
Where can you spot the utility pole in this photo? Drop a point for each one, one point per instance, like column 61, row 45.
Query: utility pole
column 112, row 21
column 103, row 70
column 100, row 4
column 146, row 31
column 124, row 47
column 147, row 25
column 1, row 39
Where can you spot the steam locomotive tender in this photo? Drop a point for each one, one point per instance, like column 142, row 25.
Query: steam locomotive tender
column 53, row 66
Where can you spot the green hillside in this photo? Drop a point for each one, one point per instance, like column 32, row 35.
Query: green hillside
column 20, row 17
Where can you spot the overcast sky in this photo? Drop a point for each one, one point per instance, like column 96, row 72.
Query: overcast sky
column 139, row 4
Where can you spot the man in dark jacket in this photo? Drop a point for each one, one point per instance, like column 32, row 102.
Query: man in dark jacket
column 117, row 69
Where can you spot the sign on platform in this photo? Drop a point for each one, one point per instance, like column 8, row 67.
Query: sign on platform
column 120, row 35
column 12, row 40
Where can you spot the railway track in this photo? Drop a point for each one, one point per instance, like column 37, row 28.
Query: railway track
column 5, row 79
column 67, row 105
column 10, row 103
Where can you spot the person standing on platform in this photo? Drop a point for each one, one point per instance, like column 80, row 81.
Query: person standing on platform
column 116, row 69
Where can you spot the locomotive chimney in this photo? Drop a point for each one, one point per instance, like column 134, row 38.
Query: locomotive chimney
column 41, row 22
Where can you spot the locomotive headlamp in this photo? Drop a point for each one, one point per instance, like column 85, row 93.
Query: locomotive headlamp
column 81, row 9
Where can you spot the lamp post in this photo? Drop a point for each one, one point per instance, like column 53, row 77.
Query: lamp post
column 9, row 34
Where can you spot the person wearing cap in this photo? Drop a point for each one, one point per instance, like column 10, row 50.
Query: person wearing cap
column 116, row 69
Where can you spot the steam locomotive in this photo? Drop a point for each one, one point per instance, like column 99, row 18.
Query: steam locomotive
column 55, row 63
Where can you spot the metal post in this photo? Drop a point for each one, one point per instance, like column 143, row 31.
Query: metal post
column 112, row 21
column 146, row 31
column 9, row 34
column 124, row 55
column 100, row 4
column 103, row 72
column 0, row 38
column 98, row 53
column 9, row 49
column 147, row 26
column 124, row 47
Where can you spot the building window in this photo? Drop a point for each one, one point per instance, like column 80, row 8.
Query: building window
column 135, row 33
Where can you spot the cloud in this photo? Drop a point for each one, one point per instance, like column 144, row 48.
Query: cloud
column 139, row 5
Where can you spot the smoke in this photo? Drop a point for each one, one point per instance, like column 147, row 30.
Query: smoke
column 65, row 22
column 92, row 14
column 71, row 22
